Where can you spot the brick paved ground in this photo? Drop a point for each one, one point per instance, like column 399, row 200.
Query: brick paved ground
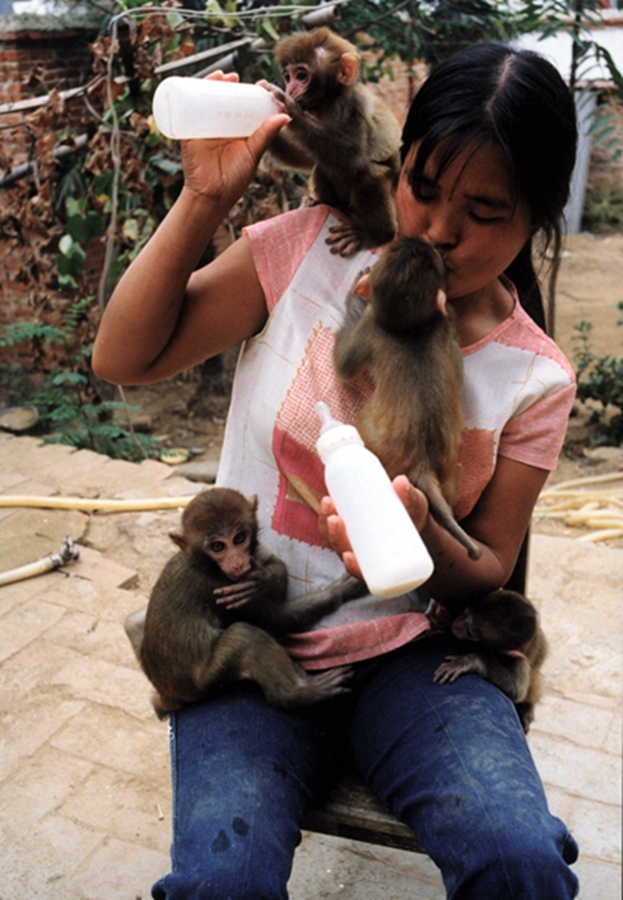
column 84, row 782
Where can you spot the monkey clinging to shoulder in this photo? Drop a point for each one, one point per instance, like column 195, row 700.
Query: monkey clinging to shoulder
column 509, row 650
column 407, row 336
column 347, row 137
column 204, row 624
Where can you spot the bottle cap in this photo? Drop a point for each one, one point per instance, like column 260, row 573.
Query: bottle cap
column 333, row 432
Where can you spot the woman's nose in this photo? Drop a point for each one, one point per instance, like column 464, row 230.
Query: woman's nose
column 442, row 228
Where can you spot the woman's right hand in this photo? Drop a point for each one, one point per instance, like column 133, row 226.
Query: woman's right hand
column 220, row 170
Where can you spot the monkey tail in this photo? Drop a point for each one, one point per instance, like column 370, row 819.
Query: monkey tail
column 441, row 512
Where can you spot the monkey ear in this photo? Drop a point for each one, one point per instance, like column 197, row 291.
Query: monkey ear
column 349, row 68
column 181, row 540
column 440, row 302
column 253, row 501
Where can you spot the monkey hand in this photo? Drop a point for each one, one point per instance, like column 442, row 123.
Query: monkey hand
column 281, row 98
column 454, row 667
column 234, row 595
column 240, row 592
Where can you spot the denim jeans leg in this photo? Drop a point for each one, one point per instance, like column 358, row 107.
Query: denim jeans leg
column 243, row 775
column 453, row 762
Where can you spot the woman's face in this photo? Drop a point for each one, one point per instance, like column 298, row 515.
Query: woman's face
column 471, row 215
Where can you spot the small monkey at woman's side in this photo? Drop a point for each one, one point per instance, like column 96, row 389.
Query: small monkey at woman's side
column 512, row 648
column 347, row 137
column 407, row 335
column 206, row 618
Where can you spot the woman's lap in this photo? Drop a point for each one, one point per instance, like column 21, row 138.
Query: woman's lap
column 451, row 760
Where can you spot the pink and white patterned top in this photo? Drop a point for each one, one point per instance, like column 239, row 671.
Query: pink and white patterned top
column 517, row 396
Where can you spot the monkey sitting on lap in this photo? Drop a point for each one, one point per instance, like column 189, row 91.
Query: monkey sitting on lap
column 513, row 648
column 407, row 335
column 204, row 624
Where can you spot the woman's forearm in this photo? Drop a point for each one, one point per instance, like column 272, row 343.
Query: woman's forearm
column 163, row 316
column 146, row 305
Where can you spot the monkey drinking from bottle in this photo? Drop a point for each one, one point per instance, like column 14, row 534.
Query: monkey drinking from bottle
column 348, row 138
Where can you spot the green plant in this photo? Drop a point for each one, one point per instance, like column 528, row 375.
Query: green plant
column 66, row 394
column 600, row 378
column 603, row 209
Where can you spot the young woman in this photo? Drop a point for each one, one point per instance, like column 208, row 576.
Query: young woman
column 488, row 151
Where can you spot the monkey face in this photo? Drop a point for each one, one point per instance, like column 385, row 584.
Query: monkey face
column 231, row 551
column 296, row 77
column 464, row 627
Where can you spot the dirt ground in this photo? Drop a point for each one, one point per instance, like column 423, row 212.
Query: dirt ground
column 590, row 285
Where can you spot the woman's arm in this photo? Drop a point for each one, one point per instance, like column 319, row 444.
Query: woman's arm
column 163, row 316
column 498, row 523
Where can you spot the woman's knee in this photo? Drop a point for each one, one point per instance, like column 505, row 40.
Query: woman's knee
column 519, row 862
column 230, row 868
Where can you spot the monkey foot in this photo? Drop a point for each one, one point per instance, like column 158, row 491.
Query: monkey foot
column 329, row 683
column 344, row 240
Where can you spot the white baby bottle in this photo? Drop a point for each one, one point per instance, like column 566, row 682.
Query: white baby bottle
column 388, row 547
column 203, row 108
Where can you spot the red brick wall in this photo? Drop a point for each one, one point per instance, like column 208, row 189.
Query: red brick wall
column 64, row 58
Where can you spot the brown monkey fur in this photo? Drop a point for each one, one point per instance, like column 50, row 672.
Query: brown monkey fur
column 206, row 618
column 347, row 137
column 512, row 648
column 407, row 336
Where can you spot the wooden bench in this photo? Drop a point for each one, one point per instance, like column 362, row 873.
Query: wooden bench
column 353, row 810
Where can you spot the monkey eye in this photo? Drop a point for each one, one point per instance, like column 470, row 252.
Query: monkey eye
column 240, row 537
column 301, row 74
column 217, row 546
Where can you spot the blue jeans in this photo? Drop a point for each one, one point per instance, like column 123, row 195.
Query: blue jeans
column 451, row 760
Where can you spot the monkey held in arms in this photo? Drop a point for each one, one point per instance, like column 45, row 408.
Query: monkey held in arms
column 212, row 607
column 407, row 336
column 346, row 136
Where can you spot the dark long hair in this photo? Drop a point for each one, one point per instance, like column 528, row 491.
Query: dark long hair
column 515, row 99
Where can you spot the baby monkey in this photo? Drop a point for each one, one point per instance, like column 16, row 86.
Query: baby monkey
column 511, row 648
column 407, row 335
column 212, row 607
column 342, row 133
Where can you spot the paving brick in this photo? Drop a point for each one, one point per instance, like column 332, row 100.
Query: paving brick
column 119, row 871
column 21, row 735
column 90, row 635
column 102, row 682
column 24, row 623
column 598, row 881
column 565, row 718
column 133, row 809
column 27, row 675
column 21, row 591
column 38, row 864
column 41, row 785
column 613, row 743
column 597, row 828
column 592, row 774
column 112, row 738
